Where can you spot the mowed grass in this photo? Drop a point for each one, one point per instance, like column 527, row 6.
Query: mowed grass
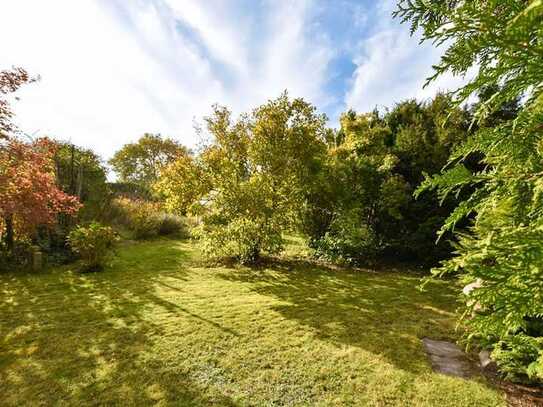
column 157, row 327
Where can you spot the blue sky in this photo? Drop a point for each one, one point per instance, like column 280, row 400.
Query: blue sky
column 114, row 69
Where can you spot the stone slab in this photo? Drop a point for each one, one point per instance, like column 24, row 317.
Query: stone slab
column 447, row 358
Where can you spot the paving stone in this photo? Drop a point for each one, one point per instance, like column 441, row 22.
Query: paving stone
column 448, row 358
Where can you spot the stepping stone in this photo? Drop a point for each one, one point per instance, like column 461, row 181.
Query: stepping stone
column 447, row 358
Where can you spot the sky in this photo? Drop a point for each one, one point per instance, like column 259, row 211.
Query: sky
column 112, row 70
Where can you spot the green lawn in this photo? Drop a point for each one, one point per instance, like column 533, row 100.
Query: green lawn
column 157, row 327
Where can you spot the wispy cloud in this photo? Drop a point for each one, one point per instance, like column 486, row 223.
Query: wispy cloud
column 113, row 69
column 393, row 66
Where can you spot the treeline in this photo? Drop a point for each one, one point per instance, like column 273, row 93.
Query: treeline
column 274, row 171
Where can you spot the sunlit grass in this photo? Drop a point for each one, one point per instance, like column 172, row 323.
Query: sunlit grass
column 157, row 326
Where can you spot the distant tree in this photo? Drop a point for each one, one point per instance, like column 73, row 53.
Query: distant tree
column 142, row 161
column 29, row 195
column 81, row 173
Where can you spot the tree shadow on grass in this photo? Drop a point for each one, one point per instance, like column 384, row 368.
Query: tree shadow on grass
column 384, row 313
column 67, row 338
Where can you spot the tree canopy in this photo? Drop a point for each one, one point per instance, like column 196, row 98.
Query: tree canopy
column 141, row 162
column 10, row 81
column 30, row 196
column 363, row 207
column 251, row 181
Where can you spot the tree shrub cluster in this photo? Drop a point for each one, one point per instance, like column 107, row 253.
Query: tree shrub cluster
column 383, row 186
column 30, row 195
column 363, row 207
column 249, row 183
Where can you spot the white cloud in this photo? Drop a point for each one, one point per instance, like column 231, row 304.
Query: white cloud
column 113, row 70
column 393, row 66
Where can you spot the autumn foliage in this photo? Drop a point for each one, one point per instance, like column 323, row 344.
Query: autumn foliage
column 30, row 196
column 10, row 81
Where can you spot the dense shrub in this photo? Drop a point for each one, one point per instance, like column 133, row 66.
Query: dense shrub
column 19, row 256
column 347, row 241
column 373, row 165
column 145, row 219
column 170, row 224
column 93, row 244
column 520, row 357
column 144, row 222
column 241, row 239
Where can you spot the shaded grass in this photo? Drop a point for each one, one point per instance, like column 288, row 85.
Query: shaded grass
column 156, row 327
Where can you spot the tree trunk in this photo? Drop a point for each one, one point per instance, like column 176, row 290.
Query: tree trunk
column 9, row 232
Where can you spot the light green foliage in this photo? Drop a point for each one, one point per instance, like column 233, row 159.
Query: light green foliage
column 503, row 41
column 347, row 240
column 93, row 243
column 142, row 161
column 182, row 184
column 250, row 183
column 156, row 328
column 243, row 238
column 520, row 356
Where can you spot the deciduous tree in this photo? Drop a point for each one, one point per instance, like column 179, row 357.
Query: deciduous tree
column 142, row 161
column 29, row 195
column 10, row 81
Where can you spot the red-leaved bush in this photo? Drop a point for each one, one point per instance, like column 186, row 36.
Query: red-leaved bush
column 29, row 196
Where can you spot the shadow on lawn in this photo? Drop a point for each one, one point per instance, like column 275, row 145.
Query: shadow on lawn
column 84, row 339
column 384, row 313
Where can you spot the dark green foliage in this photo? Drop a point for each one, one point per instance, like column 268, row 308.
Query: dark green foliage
column 503, row 247
column 17, row 257
column 170, row 224
column 363, row 207
column 80, row 172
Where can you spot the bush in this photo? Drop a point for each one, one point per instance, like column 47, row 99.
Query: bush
column 347, row 241
column 92, row 243
column 19, row 257
column 145, row 219
column 137, row 216
column 241, row 239
column 144, row 222
column 171, row 225
column 520, row 357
